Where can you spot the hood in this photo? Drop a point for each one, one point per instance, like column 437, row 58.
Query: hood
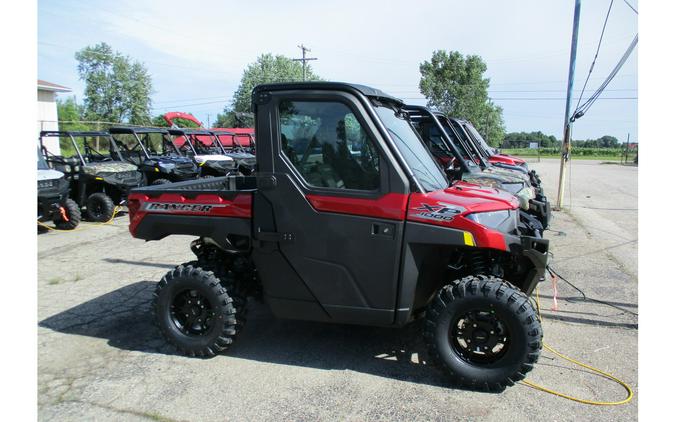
column 212, row 157
column 49, row 174
column 108, row 167
column 170, row 159
column 516, row 160
column 508, row 175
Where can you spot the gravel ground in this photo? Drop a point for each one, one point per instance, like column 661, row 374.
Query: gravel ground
column 100, row 358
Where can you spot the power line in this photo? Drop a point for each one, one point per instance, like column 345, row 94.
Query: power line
column 531, row 98
column 595, row 58
column 580, row 111
column 631, row 6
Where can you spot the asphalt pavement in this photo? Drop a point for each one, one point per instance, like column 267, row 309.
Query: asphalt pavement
column 101, row 358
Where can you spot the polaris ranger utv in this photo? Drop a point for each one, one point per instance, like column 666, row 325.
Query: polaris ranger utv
column 246, row 161
column 455, row 157
column 98, row 181
column 349, row 220
column 539, row 205
column 200, row 145
column 493, row 157
column 52, row 197
column 156, row 156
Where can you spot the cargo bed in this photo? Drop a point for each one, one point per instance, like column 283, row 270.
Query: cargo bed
column 214, row 207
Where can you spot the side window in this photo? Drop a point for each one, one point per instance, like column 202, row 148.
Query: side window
column 328, row 146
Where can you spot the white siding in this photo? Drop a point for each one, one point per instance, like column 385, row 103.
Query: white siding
column 48, row 119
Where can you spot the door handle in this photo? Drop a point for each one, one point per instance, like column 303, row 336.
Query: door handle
column 383, row 230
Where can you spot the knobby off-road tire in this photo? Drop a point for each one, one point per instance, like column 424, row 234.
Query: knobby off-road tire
column 483, row 332
column 227, row 280
column 160, row 182
column 100, row 208
column 194, row 311
column 73, row 214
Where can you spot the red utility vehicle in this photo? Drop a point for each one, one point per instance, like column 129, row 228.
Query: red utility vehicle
column 349, row 220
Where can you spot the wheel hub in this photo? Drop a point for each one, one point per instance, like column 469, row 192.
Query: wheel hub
column 191, row 313
column 479, row 336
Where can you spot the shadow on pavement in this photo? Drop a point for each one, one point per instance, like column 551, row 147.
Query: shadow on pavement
column 123, row 317
column 139, row 263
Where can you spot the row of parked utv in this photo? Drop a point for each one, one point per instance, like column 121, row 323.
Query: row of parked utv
column 102, row 167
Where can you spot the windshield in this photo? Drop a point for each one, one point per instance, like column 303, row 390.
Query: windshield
column 479, row 139
column 42, row 164
column 412, row 149
column 459, row 144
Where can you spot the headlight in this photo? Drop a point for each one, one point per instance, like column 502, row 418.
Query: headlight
column 513, row 188
column 167, row 166
column 504, row 220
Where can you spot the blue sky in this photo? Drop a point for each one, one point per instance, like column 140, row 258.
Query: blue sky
column 196, row 51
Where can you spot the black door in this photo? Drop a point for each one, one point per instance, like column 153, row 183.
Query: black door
column 332, row 223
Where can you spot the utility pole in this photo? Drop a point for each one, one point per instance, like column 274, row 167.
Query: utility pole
column 565, row 149
column 304, row 59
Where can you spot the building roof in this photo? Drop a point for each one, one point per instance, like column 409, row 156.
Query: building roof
column 49, row 86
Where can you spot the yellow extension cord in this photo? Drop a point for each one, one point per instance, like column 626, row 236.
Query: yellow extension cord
column 528, row 383
column 117, row 209
column 583, row 365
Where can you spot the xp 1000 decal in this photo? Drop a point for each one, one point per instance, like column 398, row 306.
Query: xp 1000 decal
column 439, row 211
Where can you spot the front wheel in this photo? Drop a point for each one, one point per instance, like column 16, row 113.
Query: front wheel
column 68, row 216
column 100, row 207
column 195, row 312
column 160, row 182
column 484, row 332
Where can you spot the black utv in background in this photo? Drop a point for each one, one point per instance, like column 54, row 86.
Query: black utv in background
column 155, row 154
column 201, row 146
column 52, row 197
column 98, row 181
column 245, row 159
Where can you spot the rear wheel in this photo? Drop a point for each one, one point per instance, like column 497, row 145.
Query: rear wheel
column 68, row 216
column 195, row 312
column 100, row 207
column 160, row 182
column 483, row 332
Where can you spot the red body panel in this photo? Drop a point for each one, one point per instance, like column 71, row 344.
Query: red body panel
column 391, row 206
column 213, row 205
column 449, row 207
column 506, row 159
column 243, row 135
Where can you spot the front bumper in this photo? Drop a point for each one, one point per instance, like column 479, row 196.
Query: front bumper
column 540, row 207
column 534, row 250
column 48, row 206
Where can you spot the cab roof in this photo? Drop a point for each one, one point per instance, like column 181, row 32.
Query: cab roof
column 125, row 129
column 342, row 86
column 72, row 133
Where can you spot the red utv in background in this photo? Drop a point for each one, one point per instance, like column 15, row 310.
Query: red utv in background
column 494, row 156
column 236, row 138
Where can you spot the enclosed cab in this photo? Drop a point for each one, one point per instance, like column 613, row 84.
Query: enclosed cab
column 349, row 220
column 155, row 154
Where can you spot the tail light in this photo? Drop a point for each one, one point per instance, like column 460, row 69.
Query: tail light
column 133, row 205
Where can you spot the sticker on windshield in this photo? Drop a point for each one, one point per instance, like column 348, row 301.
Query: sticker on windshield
column 439, row 211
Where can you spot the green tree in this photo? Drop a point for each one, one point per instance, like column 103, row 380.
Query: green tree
column 70, row 114
column 455, row 85
column 117, row 89
column 266, row 69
